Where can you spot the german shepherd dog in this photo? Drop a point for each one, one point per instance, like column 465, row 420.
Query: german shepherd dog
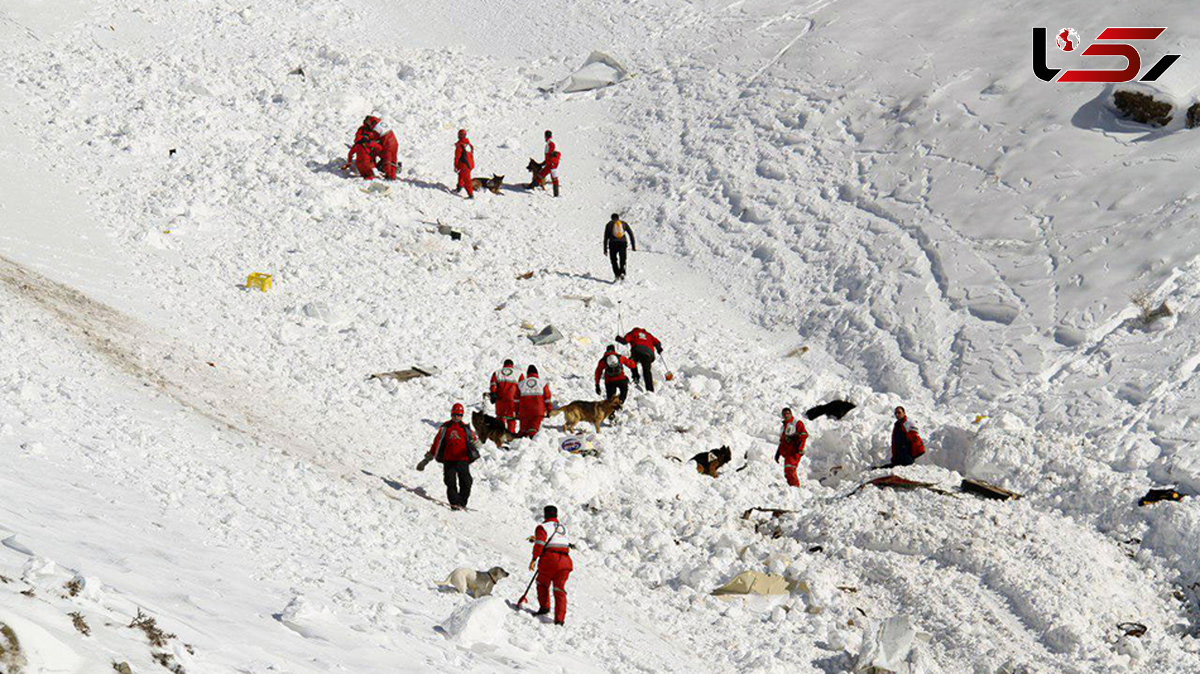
column 535, row 171
column 488, row 427
column 593, row 412
column 492, row 184
column 711, row 462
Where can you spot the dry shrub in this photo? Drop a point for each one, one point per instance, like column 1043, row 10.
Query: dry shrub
column 1142, row 108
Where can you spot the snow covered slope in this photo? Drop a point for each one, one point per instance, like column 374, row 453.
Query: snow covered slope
column 899, row 195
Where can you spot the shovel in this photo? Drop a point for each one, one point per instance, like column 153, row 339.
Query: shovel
column 525, row 595
column 669, row 375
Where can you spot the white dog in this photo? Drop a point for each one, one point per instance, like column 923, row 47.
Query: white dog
column 474, row 583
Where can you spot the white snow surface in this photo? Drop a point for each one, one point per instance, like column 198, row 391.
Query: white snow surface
column 886, row 184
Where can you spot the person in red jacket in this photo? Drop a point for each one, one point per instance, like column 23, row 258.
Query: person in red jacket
column 549, row 163
column 552, row 557
column 612, row 365
column 533, row 402
column 791, row 446
column 464, row 163
column 455, row 446
column 367, row 148
column 906, row 443
column 503, row 392
column 642, row 346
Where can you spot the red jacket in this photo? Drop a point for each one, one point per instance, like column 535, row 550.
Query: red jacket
column 617, row 374
column 906, row 443
column 642, row 338
column 534, row 400
column 505, row 385
column 558, row 546
column 552, row 156
column 464, row 155
column 792, row 439
column 455, row 441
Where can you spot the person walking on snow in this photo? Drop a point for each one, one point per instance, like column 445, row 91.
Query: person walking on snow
column 906, row 443
column 464, row 163
column 549, row 164
column 455, row 446
column 791, row 446
column 533, row 402
column 552, row 558
column 612, row 365
column 642, row 346
column 503, row 393
column 617, row 237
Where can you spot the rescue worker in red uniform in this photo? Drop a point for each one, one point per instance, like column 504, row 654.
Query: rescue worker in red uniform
column 533, row 402
column 549, row 164
column 791, row 446
column 455, row 446
column 552, row 557
column 503, row 393
column 464, row 163
column 612, row 365
column 367, row 147
column 642, row 346
column 907, row 445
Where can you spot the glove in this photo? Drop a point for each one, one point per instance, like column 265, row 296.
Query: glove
column 492, row 398
column 532, row 563
column 597, row 389
column 424, row 462
column 658, row 349
column 776, row 457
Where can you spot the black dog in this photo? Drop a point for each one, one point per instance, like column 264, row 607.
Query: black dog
column 712, row 461
column 836, row 409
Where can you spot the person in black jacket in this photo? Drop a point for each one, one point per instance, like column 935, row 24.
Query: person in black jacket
column 617, row 237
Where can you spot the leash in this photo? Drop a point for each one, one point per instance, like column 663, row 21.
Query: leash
column 545, row 547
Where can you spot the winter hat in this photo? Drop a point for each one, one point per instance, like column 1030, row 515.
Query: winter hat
column 371, row 120
column 456, row 410
column 532, row 370
column 548, row 134
column 508, row 362
column 550, row 512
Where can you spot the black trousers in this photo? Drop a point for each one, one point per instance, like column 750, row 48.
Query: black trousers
column 620, row 387
column 616, row 255
column 457, row 476
column 644, row 357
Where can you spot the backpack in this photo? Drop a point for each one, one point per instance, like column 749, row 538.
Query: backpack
column 618, row 229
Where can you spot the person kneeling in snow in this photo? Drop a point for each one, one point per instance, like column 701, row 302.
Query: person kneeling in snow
column 455, row 446
column 375, row 148
column 791, row 446
column 906, row 443
column 552, row 557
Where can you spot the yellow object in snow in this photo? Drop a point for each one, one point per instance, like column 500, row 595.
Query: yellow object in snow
column 980, row 417
column 259, row 280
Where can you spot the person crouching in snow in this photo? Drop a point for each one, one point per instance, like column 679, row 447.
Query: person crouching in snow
column 455, row 446
column 791, row 446
column 464, row 163
column 533, row 403
column 906, row 443
column 366, row 149
column 552, row 558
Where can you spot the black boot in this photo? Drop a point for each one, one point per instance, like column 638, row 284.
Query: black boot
column 541, row 611
column 556, row 189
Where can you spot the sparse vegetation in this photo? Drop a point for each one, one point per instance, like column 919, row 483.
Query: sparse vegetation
column 1193, row 116
column 122, row 668
column 1142, row 108
column 28, row 592
column 12, row 660
column 147, row 624
column 1144, row 301
column 168, row 661
column 5, row 579
column 80, row 624
column 73, row 587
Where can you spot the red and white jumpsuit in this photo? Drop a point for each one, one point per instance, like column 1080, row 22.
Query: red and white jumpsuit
column 505, row 386
column 550, row 164
column 791, row 448
column 464, row 163
column 532, row 404
column 552, row 551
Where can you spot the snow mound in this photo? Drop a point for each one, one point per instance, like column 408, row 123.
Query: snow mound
column 598, row 71
column 480, row 621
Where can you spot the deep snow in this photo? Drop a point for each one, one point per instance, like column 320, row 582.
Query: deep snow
column 936, row 226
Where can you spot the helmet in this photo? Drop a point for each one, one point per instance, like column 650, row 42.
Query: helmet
column 610, row 348
column 462, row 133
column 371, row 121
column 456, row 410
column 612, row 360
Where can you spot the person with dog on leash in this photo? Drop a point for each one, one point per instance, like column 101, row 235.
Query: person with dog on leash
column 549, row 164
column 455, row 446
column 533, row 402
column 642, row 346
column 612, row 365
column 464, row 163
column 791, row 446
column 552, row 558
column 617, row 237
column 907, row 445
column 503, row 393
